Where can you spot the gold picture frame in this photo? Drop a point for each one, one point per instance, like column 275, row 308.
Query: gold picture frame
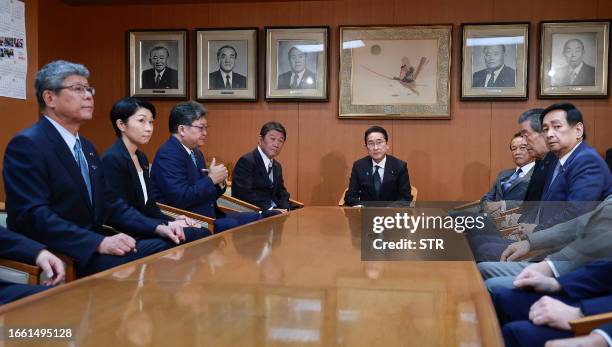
column 495, row 61
column 395, row 72
column 574, row 59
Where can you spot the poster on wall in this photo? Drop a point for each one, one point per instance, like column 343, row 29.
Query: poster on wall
column 13, row 53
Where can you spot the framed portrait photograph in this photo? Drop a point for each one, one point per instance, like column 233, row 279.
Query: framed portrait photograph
column 494, row 61
column 296, row 63
column 157, row 63
column 574, row 59
column 226, row 61
column 395, row 72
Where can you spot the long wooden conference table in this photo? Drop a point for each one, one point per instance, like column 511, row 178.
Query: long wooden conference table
column 293, row 280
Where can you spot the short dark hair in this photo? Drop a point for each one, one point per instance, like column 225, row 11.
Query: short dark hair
column 297, row 49
column 515, row 136
column 533, row 116
column 573, row 115
column 185, row 113
column 127, row 107
column 375, row 129
column 266, row 128
column 226, row 46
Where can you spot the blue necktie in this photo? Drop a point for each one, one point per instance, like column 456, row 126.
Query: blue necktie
column 193, row 158
column 377, row 180
column 271, row 177
column 555, row 173
column 82, row 163
column 506, row 185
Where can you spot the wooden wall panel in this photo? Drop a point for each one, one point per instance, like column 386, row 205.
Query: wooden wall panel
column 16, row 114
column 448, row 159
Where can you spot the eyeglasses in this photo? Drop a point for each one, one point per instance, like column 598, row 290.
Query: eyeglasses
column 375, row 144
column 80, row 89
column 201, row 127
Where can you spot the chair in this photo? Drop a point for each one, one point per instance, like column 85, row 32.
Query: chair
column 413, row 191
column 174, row 212
column 228, row 194
column 230, row 204
column 585, row 325
column 23, row 273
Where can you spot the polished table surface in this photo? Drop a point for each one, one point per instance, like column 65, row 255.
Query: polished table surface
column 286, row 281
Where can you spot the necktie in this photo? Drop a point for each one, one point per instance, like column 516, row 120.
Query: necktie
column 193, row 158
column 377, row 180
column 556, row 173
column 271, row 177
column 82, row 163
column 157, row 79
column 228, row 84
column 270, row 173
column 573, row 77
column 506, row 185
column 490, row 79
column 294, row 84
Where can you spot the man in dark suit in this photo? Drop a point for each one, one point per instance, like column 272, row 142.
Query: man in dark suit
column 258, row 178
column 160, row 76
column 378, row 177
column 508, row 190
column 56, row 192
column 14, row 246
column 225, row 77
column 299, row 77
column 179, row 173
column 497, row 74
column 576, row 72
column 530, row 318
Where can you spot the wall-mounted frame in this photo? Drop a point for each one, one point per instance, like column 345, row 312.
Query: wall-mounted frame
column 574, row 59
column 395, row 72
column 494, row 61
column 157, row 63
column 297, row 63
column 226, row 62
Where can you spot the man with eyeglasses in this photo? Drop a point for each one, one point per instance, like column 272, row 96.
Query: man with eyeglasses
column 378, row 179
column 160, row 76
column 55, row 186
column 179, row 173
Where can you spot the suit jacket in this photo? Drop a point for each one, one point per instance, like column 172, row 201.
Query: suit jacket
column 47, row 199
column 215, row 81
column 583, row 239
column 583, row 181
column 284, row 80
column 123, row 179
column 591, row 285
column 535, row 189
column 586, row 77
column 609, row 158
column 395, row 184
column 505, row 78
column 516, row 192
column 17, row 247
column 169, row 79
column 179, row 183
column 250, row 182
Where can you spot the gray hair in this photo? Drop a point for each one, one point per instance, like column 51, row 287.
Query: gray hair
column 533, row 116
column 52, row 76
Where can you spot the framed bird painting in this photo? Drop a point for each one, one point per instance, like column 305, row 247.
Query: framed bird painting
column 395, row 72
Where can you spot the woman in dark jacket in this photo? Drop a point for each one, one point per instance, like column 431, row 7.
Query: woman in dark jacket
column 127, row 169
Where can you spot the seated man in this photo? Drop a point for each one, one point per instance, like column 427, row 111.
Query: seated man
column 378, row 177
column 530, row 318
column 179, row 174
column 19, row 248
column 258, row 178
column 510, row 186
column 579, row 180
column 56, row 191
